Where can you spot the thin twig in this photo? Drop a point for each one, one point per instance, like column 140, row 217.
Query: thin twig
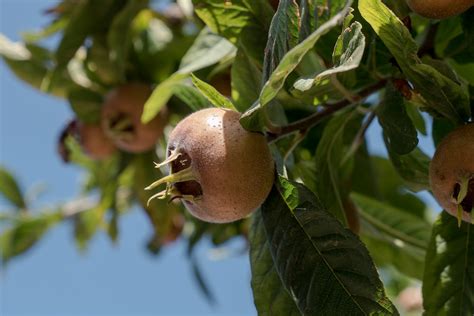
column 79, row 205
column 310, row 121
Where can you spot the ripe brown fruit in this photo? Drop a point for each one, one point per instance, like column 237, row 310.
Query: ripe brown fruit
column 91, row 137
column 219, row 170
column 439, row 9
column 452, row 172
column 121, row 118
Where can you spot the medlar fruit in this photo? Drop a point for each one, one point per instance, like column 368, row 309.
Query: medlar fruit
column 452, row 172
column 121, row 118
column 439, row 9
column 219, row 170
column 91, row 137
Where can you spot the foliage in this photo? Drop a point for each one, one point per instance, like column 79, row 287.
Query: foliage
column 312, row 75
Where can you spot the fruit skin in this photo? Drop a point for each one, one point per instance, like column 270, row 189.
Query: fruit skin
column 127, row 101
column 91, row 137
column 453, row 160
column 439, row 9
column 94, row 141
column 233, row 166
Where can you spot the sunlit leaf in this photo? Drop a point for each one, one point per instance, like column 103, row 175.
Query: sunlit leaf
column 289, row 62
column 347, row 55
column 211, row 94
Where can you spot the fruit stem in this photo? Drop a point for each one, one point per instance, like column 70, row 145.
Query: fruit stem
column 312, row 120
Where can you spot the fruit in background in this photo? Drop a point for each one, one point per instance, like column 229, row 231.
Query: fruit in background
column 352, row 215
column 121, row 118
column 91, row 137
column 452, row 172
column 222, row 83
column 439, row 9
column 219, row 170
column 274, row 4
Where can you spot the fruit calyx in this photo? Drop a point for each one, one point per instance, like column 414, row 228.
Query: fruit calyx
column 120, row 127
column 463, row 197
column 181, row 183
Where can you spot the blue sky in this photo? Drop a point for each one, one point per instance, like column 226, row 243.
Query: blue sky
column 53, row 278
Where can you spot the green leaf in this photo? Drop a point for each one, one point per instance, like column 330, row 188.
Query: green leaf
column 86, row 104
column 440, row 92
column 191, row 96
column 25, row 234
column 98, row 65
column 119, row 36
column 246, row 79
column 307, row 19
column 231, row 18
column 282, row 36
column 448, row 283
column 289, row 62
column 160, row 212
column 211, row 94
column 412, row 167
column 87, row 223
column 55, row 26
column 330, row 164
column 10, row 189
column 269, row 294
column 160, row 96
column 416, row 117
column 347, row 55
column 32, row 68
column 402, row 236
column 86, row 18
column 441, row 128
column 208, row 49
column 401, row 134
column 324, row 266
column 377, row 178
column 202, row 282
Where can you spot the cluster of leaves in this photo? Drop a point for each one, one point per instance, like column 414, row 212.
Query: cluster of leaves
column 327, row 69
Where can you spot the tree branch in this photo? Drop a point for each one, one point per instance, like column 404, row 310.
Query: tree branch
column 310, row 121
